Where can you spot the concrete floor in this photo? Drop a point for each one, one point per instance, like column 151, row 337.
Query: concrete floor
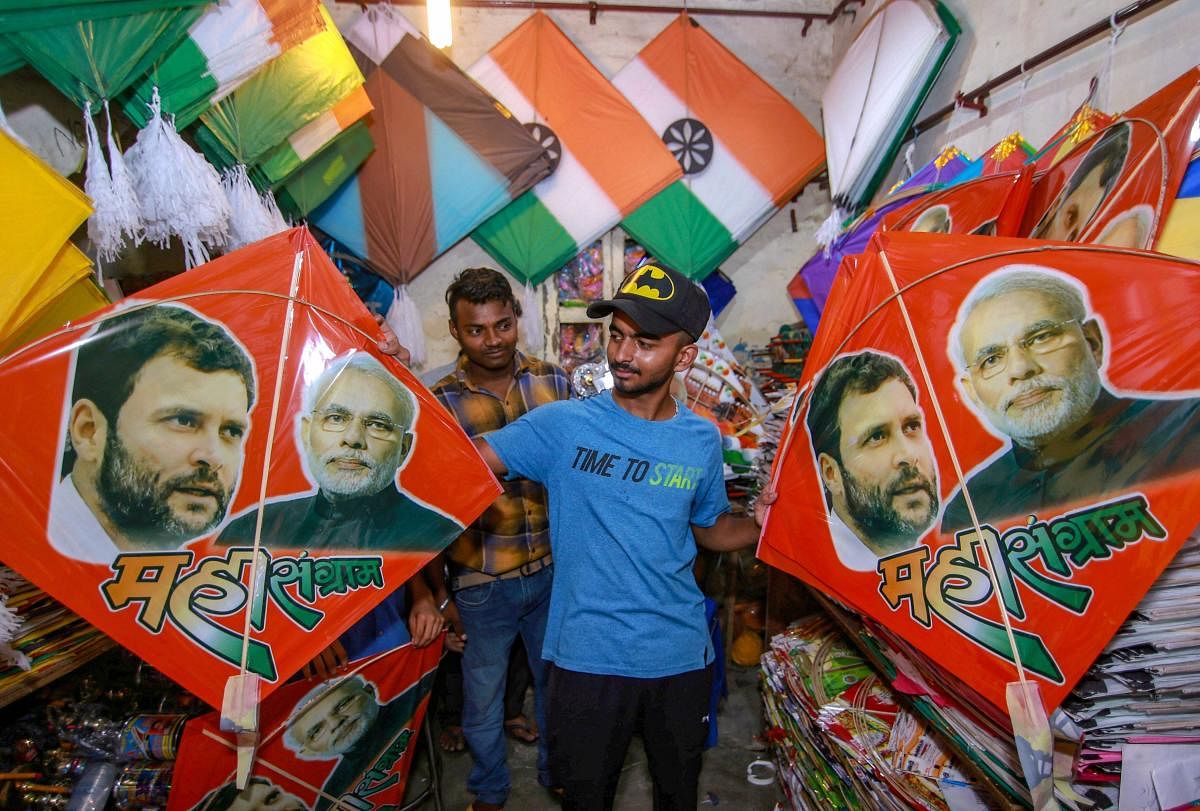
column 722, row 782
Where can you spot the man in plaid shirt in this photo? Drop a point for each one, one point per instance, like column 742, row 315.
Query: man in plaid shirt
column 500, row 568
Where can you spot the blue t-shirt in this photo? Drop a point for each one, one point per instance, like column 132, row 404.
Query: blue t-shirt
column 624, row 493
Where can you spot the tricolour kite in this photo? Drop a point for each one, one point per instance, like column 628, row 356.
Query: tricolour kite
column 744, row 149
column 607, row 161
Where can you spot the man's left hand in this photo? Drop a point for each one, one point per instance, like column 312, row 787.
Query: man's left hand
column 765, row 499
column 424, row 622
column 389, row 344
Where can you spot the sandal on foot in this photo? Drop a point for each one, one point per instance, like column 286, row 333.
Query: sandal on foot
column 521, row 730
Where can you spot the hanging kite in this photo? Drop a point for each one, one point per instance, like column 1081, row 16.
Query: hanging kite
column 320, row 176
column 607, row 161
column 241, row 129
column 223, row 474
column 447, row 156
column 991, row 205
column 1084, row 121
column 875, row 92
column 25, row 15
column 744, row 149
column 1116, row 187
column 314, row 136
column 40, row 211
column 997, row 443
column 223, row 48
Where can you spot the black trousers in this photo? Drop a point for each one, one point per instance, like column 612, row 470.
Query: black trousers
column 591, row 720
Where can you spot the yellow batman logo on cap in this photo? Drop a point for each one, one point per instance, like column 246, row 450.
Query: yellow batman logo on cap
column 650, row 282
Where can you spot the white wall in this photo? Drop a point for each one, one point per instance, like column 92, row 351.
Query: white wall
column 797, row 66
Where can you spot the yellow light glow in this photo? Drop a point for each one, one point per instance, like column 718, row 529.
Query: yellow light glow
column 440, row 33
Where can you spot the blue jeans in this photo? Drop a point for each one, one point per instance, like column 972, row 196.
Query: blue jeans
column 492, row 616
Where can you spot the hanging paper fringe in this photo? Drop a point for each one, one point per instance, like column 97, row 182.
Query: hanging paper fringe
column 830, row 229
column 128, row 209
column 10, row 623
column 531, row 322
column 115, row 218
column 405, row 320
column 179, row 191
column 252, row 216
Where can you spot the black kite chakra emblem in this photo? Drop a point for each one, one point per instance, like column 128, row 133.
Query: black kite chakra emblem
column 691, row 143
column 549, row 141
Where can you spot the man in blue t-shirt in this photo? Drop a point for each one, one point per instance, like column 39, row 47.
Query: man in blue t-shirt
column 635, row 483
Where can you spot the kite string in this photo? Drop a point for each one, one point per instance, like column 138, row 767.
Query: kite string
column 966, row 494
column 297, row 265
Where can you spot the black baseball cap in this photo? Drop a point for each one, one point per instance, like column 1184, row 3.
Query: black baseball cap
column 660, row 301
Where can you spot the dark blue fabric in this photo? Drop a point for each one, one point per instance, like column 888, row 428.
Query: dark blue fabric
column 719, row 687
column 382, row 629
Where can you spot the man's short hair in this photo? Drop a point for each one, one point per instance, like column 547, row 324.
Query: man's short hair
column 108, row 363
column 367, row 364
column 1013, row 279
column 861, row 373
column 479, row 286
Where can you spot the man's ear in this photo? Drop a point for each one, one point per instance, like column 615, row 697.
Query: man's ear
column 969, row 387
column 453, row 329
column 1095, row 340
column 686, row 357
column 831, row 473
column 88, row 429
column 406, row 445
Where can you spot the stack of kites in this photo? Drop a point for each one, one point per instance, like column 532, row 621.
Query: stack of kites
column 1145, row 683
column 40, row 639
column 843, row 740
column 48, row 280
column 253, row 125
column 875, row 92
column 93, row 52
column 274, row 96
column 810, row 287
column 223, row 48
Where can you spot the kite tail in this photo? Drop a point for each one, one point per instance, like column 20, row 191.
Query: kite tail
column 179, row 191
column 405, row 320
column 531, row 321
column 253, row 216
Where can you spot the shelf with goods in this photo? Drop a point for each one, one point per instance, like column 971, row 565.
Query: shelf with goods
column 47, row 640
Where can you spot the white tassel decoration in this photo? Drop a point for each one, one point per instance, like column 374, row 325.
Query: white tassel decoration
column 531, row 322
column 104, row 232
column 10, row 623
column 179, row 191
column 126, row 208
column 405, row 320
column 252, row 216
column 830, row 229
